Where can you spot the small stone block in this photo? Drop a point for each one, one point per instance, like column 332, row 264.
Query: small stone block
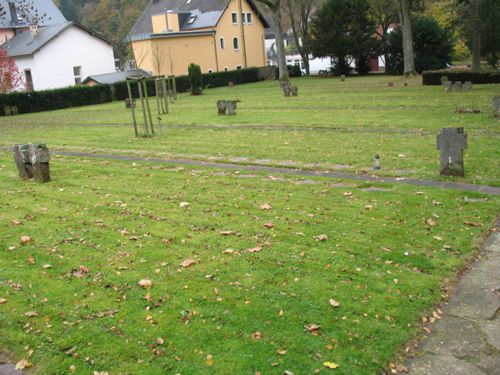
column 495, row 104
column 458, row 86
column 448, row 86
column 452, row 142
column 467, row 86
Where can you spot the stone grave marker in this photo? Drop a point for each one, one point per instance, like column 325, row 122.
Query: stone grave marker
column 230, row 83
column 452, row 142
column 444, row 79
column 342, row 77
column 458, row 86
column 32, row 160
column 495, row 104
column 447, row 86
column 467, row 86
column 129, row 104
column 227, row 107
column 295, row 91
column 10, row 110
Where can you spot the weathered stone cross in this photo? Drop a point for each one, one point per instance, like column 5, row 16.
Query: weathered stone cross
column 452, row 142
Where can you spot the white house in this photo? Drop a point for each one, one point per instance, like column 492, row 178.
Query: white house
column 56, row 53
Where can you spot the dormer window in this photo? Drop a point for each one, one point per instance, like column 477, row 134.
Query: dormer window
column 191, row 20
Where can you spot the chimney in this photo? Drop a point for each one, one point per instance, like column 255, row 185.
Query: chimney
column 34, row 30
column 13, row 13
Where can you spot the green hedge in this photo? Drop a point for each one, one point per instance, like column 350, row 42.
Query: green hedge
column 76, row 96
column 433, row 77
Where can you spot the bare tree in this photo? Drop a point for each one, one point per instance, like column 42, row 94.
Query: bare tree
column 275, row 8
column 158, row 57
column 300, row 12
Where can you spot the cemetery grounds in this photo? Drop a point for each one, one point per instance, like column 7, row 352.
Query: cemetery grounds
column 251, row 271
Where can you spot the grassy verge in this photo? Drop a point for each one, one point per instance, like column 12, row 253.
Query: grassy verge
column 261, row 275
column 331, row 125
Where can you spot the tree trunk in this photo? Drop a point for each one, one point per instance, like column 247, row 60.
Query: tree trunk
column 280, row 44
column 476, row 44
column 409, row 58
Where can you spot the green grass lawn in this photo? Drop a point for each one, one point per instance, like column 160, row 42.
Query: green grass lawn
column 69, row 296
column 354, row 120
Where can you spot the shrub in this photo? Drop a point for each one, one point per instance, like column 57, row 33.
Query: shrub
column 195, row 79
column 434, row 77
column 432, row 45
column 76, row 96
column 362, row 65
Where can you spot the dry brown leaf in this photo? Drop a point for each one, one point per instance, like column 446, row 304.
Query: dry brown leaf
column 257, row 335
column 330, row 365
column 159, row 341
column 22, row 364
column 431, row 222
column 255, row 249
column 321, row 237
column 188, row 263
column 145, row 283
column 281, row 351
column 72, row 368
column 184, row 204
column 334, row 303
column 473, row 224
column 2, row 301
column 347, row 194
column 266, row 206
column 16, row 222
column 25, row 240
column 312, row 328
column 31, row 314
column 269, row 225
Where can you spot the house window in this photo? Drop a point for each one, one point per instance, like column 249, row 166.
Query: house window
column 191, row 20
column 77, row 72
column 234, row 17
column 243, row 18
column 28, row 78
column 249, row 19
column 236, row 44
column 238, row 66
column 221, row 40
column 226, row 69
column 210, row 70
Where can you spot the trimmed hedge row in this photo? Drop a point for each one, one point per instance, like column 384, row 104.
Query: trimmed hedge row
column 76, row 96
column 433, row 77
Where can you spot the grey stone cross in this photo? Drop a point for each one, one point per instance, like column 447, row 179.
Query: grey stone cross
column 452, row 142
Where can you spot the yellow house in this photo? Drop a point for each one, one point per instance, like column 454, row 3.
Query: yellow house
column 218, row 35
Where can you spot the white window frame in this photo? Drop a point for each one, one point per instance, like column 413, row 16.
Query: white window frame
column 77, row 77
column 236, row 49
column 233, row 16
column 222, row 43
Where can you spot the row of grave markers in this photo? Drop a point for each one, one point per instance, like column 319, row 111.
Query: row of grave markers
column 32, row 160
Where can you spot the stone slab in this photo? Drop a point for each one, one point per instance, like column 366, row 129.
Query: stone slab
column 9, row 369
column 429, row 364
column 491, row 330
column 454, row 337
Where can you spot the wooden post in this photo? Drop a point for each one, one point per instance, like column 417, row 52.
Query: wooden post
column 174, row 87
column 139, row 86
column 132, row 107
column 165, row 93
column 144, row 84
column 157, row 97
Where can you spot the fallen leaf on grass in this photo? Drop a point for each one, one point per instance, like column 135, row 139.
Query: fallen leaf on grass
column 72, row 368
column 31, row 314
column 25, row 240
column 269, row 225
column 226, row 232
column 31, row 260
column 321, row 237
column 312, row 328
column 184, row 204
column 266, row 206
column 16, row 222
column 330, row 365
column 334, row 303
column 188, row 263
column 101, row 373
column 281, row 352
column 2, row 301
column 146, row 283
column 257, row 335
column 431, row 222
column 159, row 341
column 47, row 266
column 347, row 194
column 209, row 361
column 473, row 224
column 22, row 364
column 255, row 249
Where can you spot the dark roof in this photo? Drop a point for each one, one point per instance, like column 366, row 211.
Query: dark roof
column 207, row 14
column 23, row 43
column 52, row 16
column 116, row 76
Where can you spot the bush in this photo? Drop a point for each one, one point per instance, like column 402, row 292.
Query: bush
column 432, row 45
column 434, row 77
column 195, row 79
column 76, row 96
